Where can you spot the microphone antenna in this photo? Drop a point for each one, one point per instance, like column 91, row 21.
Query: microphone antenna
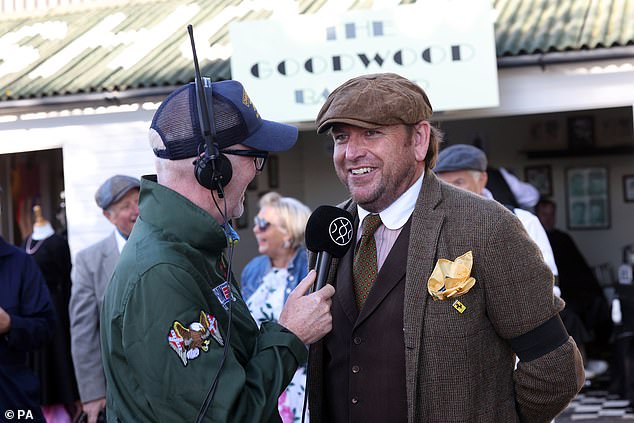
column 205, row 110
column 208, row 125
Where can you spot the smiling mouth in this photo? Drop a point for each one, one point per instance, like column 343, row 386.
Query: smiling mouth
column 361, row 170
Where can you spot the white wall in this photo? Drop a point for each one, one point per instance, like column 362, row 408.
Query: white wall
column 94, row 147
column 92, row 154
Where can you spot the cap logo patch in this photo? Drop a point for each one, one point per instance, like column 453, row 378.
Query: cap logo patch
column 247, row 102
column 189, row 341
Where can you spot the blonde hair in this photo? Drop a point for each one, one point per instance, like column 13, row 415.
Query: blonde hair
column 293, row 215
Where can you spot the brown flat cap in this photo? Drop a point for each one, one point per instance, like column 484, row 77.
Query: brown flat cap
column 372, row 101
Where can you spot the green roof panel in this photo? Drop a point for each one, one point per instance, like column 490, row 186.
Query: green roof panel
column 522, row 27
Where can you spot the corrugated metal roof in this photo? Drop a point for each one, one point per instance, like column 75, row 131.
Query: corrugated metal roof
column 541, row 26
column 522, row 27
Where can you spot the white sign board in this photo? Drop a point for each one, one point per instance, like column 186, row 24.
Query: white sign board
column 446, row 46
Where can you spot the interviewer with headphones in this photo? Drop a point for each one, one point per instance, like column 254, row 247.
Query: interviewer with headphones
column 178, row 341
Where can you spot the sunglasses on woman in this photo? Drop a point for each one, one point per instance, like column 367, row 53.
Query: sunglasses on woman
column 261, row 224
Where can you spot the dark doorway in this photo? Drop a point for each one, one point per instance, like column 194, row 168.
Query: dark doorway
column 29, row 179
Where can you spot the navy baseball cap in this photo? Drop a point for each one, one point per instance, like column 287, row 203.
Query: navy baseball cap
column 236, row 119
column 461, row 157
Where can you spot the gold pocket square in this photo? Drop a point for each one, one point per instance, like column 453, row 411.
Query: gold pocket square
column 451, row 279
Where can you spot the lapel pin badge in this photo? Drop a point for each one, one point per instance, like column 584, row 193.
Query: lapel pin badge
column 459, row 306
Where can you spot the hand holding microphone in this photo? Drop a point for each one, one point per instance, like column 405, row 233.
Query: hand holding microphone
column 308, row 316
column 329, row 234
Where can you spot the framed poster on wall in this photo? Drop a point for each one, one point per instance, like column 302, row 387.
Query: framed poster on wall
column 580, row 132
column 587, row 198
column 540, row 177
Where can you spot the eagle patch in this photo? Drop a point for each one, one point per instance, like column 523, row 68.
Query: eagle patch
column 189, row 341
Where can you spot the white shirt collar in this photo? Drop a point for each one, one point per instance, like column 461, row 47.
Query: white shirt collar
column 120, row 240
column 487, row 194
column 397, row 214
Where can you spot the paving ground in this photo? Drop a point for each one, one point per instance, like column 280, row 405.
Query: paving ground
column 595, row 404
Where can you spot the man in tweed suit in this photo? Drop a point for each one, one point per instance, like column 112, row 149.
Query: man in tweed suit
column 400, row 355
column 118, row 197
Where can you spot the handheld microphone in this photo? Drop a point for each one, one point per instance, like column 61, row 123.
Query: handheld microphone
column 329, row 234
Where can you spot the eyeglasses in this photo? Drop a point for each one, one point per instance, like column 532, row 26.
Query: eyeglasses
column 261, row 224
column 259, row 157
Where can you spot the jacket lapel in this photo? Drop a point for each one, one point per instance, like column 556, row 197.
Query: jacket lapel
column 110, row 257
column 345, row 291
column 427, row 221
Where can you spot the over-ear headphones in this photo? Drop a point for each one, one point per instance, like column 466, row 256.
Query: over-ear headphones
column 212, row 168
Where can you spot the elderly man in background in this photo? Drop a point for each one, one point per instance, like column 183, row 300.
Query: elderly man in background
column 118, row 198
column 465, row 166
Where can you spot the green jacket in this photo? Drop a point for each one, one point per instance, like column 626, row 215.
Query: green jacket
column 160, row 344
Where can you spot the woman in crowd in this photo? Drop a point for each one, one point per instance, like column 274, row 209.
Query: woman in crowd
column 269, row 278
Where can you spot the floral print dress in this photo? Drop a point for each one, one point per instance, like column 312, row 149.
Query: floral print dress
column 266, row 304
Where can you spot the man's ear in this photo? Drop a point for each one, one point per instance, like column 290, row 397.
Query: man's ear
column 421, row 135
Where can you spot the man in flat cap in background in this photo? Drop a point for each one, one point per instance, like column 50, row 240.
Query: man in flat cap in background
column 118, row 198
column 465, row 166
column 433, row 303
column 178, row 340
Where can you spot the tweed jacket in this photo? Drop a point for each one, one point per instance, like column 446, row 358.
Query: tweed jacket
column 459, row 366
column 92, row 270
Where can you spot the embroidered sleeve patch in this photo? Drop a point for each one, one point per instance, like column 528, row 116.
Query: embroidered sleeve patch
column 189, row 341
column 224, row 294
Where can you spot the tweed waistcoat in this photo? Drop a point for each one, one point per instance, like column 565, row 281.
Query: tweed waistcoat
column 365, row 352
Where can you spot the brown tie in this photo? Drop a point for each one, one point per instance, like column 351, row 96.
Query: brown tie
column 364, row 268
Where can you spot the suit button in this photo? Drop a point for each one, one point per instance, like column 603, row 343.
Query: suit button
column 355, row 400
column 356, row 340
column 355, row 369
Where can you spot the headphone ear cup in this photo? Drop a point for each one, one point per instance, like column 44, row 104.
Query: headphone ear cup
column 210, row 179
column 203, row 171
column 224, row 171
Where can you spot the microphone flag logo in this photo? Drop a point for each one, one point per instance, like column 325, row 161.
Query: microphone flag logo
column 340, row 231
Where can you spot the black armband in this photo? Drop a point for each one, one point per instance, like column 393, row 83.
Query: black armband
column 541, row 340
